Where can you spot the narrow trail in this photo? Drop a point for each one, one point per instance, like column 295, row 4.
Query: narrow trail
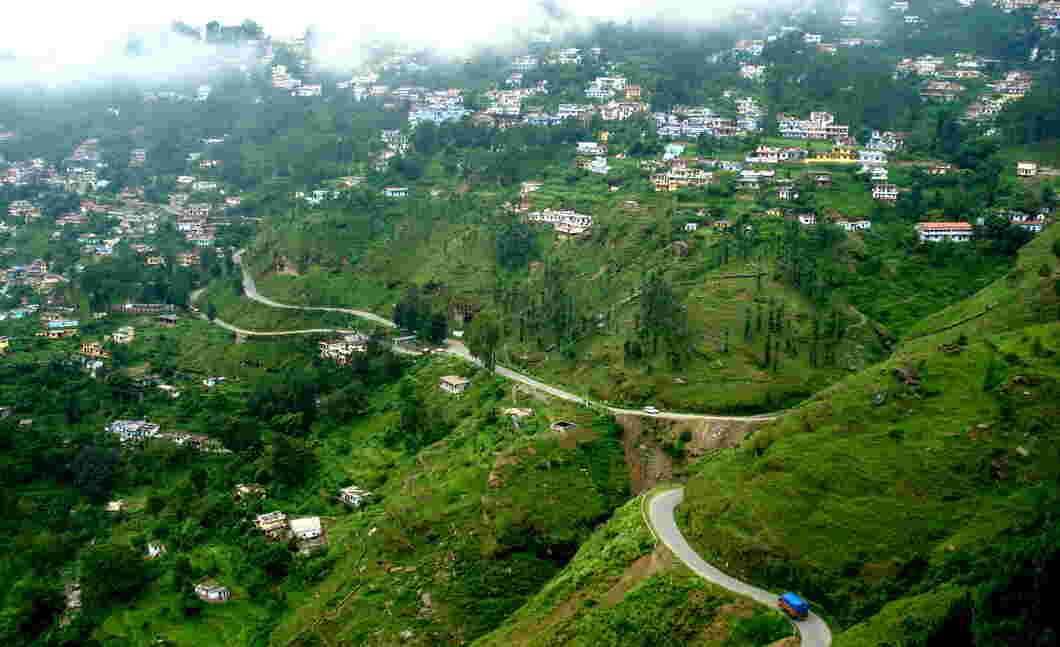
column 659, row 515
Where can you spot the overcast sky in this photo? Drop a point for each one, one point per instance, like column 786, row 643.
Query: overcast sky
column 81, row 39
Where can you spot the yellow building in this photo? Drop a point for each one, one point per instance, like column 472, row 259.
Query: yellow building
column 838, row 155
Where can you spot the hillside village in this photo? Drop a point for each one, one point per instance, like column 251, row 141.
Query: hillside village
column 616, row 260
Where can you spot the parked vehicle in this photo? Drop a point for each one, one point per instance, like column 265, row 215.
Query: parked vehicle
column 650, row 409
column 794, row 606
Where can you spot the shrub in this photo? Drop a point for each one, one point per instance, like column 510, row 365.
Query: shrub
column 761, row 629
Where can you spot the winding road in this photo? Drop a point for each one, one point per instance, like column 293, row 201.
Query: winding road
column 660, row 517
column 660, row 508
column 458, row 349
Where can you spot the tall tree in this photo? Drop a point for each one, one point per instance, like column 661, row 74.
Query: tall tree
column 483, row 339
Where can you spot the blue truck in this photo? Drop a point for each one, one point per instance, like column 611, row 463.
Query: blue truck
column 794, row 606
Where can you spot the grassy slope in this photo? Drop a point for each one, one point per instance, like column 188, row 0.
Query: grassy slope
column 251, row 315
column 616, row 586
column 845, row 494
column 605, row 269
column 476, row 550
column 1024, row 296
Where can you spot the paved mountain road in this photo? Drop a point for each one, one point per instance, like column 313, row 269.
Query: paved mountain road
column 458, row 349
column 660, row 513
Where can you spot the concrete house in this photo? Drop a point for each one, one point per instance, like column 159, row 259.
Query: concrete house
column 245, row 491
column 887, row 192
column 130, row 430
column 1026, row 169
column 1033, row 223
column 353, row 496
column 453, row 384
column 94, row 349
column 872, row 157
column 209, row 590
column 306, row 528
column 273, row 524
column 957, row 232
column 341, row 351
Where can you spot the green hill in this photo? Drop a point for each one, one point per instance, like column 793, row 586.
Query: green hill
column 572, row 313
column 470, row 515
column 617, row 591
column 884, row 497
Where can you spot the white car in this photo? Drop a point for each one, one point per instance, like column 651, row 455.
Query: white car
column 650, row 409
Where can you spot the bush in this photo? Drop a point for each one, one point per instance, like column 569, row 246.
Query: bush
column 761, row 629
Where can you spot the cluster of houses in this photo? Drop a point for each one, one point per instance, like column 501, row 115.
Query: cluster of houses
column 509, row 103
column 941, row 81
column 437, row 107
column 678, row 174
column 138, row 431
column 820, row 125
column 693, row 121
column 608, row 87
column 564, row 221
column 307, row 531
column 343, row 350
column 34, row 275
column 282, row 80
column 25, row 172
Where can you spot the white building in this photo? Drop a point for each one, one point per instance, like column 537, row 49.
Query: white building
column 872, row 157
column 1033, row 223
column 854, row 225
column 944, row 231
column 1026, row 169
column 591, row 148
column 306, row 528
column 453, row 383
column 129, row 430
column 341, row 351
column 885, row 192
column 353, row 496
column 598, row 165
column 211, row 591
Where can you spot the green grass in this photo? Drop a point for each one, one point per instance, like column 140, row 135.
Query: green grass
column 1045, row 152
column 615, row 587
column 245, row 313
column 604, row 269
column 1023, row 297
column 844, row 496
column 901, row 617
column 479, row 551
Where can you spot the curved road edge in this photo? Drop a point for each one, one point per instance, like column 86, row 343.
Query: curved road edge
column 458, row 349
column 658, row 509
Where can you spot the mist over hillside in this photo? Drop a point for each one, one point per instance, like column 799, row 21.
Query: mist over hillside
column 549, row 324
